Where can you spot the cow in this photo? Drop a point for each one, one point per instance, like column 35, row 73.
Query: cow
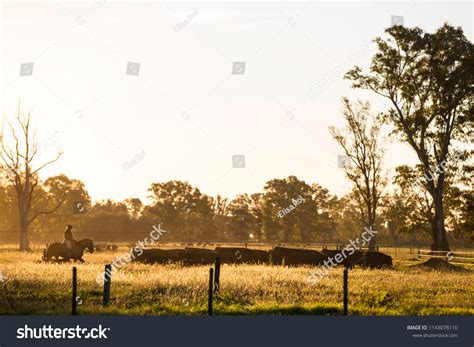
column 196, row 256
column 378, row 260
column 239, row 255
column 296, row 256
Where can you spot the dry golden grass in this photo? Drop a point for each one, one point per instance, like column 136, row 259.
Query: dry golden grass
column 35, row 287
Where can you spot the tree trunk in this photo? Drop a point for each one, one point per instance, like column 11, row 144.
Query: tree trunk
column 438, row 231
column 24, row 242
column 372, row 247
column 370, row 227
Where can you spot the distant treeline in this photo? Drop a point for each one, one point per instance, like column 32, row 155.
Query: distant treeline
column 288, row 210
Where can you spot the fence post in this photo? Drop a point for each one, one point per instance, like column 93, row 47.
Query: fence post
column 217, row 275
column 209, row 302
column 107, row 280
column 345, row 290
column 74, row 291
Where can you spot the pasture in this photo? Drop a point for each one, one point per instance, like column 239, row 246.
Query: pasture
column 34, row 287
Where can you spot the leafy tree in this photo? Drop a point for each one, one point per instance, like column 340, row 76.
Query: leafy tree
column 135, row 207
column 428, row 78
column 8, row 215
column 287, row 219
column 70, row 191
column 256, row 210
column 220, row 211
column 241, row 222
column 183, row 210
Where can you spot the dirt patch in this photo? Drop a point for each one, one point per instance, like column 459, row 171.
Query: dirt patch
column 441, row 265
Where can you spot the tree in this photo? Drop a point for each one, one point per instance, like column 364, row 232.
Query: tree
column 135, row 207
column 17, row 161
column 183, row 210
column 360, row 141
column 345, row 213
column 256, row 210
column 241, row 222
column 8, row 220
column 294, row 211
column 429, row 81
column 220, row 212
column 111, row 221
column 63, row 189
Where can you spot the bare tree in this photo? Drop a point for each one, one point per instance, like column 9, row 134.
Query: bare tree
column 17, row 162
column 360, row 140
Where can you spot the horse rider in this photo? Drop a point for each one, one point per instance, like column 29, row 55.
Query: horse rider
column 68, row 239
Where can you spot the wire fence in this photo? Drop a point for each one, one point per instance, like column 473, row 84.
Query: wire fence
column 463, row 257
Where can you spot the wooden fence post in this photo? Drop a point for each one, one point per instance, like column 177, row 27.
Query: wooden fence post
column 209, row 302
column 217, row 275
column 345, row 290
column 107, row 280
column 74, row 291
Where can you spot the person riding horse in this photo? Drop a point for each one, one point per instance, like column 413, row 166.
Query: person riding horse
column 68, row 239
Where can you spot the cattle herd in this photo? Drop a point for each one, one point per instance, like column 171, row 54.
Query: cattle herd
column 275, row 256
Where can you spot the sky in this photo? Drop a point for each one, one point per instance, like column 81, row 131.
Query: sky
column 141, row 92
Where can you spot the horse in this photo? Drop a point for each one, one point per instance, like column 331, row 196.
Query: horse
column 57, row 249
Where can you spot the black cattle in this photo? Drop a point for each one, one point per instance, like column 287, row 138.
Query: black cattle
column 195, row 256
column 295, row 256
column 377, row 260
column 199, row 249
column 158, row 255
column 239, row 255
column 365, row 259
column 345, row 258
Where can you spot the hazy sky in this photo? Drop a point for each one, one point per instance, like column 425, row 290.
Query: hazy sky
column 185, row 115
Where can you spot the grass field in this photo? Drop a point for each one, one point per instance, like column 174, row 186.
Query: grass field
column 35, row 287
